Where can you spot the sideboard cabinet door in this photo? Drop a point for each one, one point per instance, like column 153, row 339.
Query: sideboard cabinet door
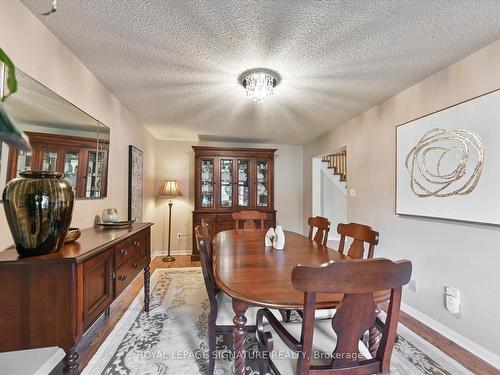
column 98, row 286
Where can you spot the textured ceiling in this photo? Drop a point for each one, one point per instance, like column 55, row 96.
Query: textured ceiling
column 175, row 64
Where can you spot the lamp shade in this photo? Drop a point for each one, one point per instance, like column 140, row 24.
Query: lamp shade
column 170, row 189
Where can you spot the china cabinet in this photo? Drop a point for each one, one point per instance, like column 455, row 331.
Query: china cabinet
column 83, row 165
column 229, row 180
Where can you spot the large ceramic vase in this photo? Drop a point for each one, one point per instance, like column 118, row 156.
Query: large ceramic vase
column 38, row 206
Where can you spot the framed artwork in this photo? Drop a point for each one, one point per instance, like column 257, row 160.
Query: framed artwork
column 448, row 162
column 135, row 183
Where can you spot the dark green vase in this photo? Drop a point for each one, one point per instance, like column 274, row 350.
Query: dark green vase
column 38, row 206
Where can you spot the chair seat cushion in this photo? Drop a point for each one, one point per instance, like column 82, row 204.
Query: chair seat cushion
column 324, row 342
column 225, row 313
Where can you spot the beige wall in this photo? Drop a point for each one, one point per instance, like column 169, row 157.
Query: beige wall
column 175, row 159
column 466, row 256
column 334, row 203
column 37, row 52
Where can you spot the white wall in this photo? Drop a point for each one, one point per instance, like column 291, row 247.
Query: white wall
column 334, row 204
column 175, row 159
column 466, row 256
column 37, row 52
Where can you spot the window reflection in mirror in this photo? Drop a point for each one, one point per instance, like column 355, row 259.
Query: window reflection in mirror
column 63, row 139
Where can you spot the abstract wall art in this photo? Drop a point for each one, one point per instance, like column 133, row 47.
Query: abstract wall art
column 135, row 184
column 448, row 162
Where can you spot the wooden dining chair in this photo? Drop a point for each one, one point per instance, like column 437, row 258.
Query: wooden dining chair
column 249, row 218
column 334, row 346
column 322, row 226
column 221, row 313
column 360, row 234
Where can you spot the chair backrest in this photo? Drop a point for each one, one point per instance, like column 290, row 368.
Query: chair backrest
column 322, row 226
column 358, row 280
column 248, row 218
column 204, row 244
column 360, row 234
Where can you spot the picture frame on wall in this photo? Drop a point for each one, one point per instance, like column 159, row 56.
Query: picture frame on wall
column 135, row 183
column 447, row 163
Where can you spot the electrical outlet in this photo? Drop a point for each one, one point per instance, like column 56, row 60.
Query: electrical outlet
column 352, row 192
column 452, row 299
column 412, row 285
column 179, row 236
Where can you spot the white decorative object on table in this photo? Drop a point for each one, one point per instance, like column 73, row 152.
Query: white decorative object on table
column 279, row 239
column 109, row 215
column 270, row 235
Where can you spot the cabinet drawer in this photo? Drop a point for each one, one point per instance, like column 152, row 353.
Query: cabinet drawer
column 128, row 271
column 129, row 248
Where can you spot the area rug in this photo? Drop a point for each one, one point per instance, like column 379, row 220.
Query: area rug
column 172, row 337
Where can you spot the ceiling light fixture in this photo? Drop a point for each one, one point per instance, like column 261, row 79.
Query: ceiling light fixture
column 259, row 83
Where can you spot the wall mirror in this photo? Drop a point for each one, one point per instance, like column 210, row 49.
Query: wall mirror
column 63, row 139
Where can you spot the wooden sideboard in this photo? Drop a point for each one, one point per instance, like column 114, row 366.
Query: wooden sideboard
column 229, row 180
column 51, row 300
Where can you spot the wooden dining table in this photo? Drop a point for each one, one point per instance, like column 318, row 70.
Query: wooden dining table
column 256, row 275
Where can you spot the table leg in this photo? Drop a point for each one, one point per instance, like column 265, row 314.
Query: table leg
column 71, row 362
column 239, row 336
column 374, row 337
column 146, row 288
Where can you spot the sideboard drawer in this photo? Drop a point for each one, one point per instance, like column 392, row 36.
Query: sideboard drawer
column 128, row 272
column 129, row 248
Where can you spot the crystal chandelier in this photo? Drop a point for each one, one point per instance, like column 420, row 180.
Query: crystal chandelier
column 259, row 84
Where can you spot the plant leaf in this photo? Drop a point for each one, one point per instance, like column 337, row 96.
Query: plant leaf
column 11, row 74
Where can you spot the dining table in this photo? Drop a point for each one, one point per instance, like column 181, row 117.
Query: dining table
column 256, row 275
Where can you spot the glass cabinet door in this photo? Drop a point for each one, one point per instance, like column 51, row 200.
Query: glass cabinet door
column 226, row 183
column 95, row 167
column 243, row 183
column 207, row 183
column 71, row 159
column 23, row 161
column 262, row 183
column 49, row 159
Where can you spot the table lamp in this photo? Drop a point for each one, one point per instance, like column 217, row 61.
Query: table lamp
column 170, row 190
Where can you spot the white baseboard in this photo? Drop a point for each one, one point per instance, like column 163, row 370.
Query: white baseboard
column 158, row 253
column 483, row 353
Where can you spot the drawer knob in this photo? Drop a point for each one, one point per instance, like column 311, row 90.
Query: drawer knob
column 136, row 265
column 122, row 277
column 136, row 243
column 113, row 275
column 124, row 252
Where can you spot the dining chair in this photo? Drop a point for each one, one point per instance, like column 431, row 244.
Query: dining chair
column 333, row 346
column 322, row 225
column 360, row 234
column 221, row 313
column 249, row 218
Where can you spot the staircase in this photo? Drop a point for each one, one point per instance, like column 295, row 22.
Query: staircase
column 338, row 164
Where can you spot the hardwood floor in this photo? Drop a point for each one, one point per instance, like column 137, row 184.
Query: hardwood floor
column 104, row 325
column 464, row 357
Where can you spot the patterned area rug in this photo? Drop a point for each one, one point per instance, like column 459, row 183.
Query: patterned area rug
column 172, row 337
